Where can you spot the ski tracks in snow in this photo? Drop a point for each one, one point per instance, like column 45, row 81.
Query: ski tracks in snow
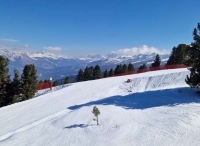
column 34, row 124
column 158, row 82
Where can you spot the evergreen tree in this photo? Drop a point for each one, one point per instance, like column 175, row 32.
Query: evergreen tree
column 91, row 73
column 190, row 55
column 15, row 87
column 111, row 73
column 106, row 73
column 15, row 99
column 124, row 68
column 96, row 113
column 86, row 74
column 4, row 80
column 156, row 62
column 40, row 81
column 131, row 67
column 172, row 58
column 16, row 82
column 179, row 55
column 181, row 49
column 97, row 72
column 118, row 69
column 67, row 80
column 46, row 81
column 80, row 76
column 55, row 83
column 9, row 93
column 143, row 66
column 29, row 81
column 194, row 79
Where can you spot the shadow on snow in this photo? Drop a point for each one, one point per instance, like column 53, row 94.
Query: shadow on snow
column 77, row 126
column 148, row 99
column 46, row 91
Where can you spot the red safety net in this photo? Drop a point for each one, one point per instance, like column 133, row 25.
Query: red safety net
column 175, row 66
column 43, row 86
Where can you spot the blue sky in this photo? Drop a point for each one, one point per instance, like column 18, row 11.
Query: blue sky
column 80, row 27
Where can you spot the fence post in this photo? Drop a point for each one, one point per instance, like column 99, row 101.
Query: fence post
column 50, row 83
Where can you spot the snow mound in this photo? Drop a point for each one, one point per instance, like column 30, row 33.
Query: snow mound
column 158, row 82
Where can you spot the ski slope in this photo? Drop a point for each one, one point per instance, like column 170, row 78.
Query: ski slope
column 156, row 108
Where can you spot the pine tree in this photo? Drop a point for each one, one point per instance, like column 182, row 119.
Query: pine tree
column 86, row 74
column 91, row 73
column 80, row 76
column 143, row 66
column 194, row 79
column 111, row 73
column 131, row 67
column 46, row 81
column 124, row 68
column 67, row 80
column 106, row 73
column 16, row 83
column 55, row 83
column 97, row 72
column 190, row 55
column 96, row 113
column 15, row 87
column 40, row 81
column 4, row 81
column 29, row 81
column 156, row 62
column 179, row 55
column 172, row 58
column 118, row 69
column 15, row 99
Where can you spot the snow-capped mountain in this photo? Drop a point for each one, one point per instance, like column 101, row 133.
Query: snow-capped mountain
column 57, row 66
column 15, row 53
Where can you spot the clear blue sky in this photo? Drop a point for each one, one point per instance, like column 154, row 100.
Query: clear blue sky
column 97, row 26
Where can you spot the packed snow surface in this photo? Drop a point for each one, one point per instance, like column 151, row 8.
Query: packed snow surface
column 155, row 108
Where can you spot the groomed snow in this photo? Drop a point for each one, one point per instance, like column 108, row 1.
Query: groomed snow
column 156, row 108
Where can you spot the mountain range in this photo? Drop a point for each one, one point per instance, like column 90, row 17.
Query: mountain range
column 58, row 67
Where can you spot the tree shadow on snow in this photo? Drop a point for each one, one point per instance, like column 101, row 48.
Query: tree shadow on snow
column 148, row 99
column 77, row 126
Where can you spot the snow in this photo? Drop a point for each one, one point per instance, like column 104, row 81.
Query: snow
column 45, row 55
column 12, row 54
column 156, row 108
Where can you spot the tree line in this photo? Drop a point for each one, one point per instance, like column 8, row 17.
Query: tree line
column 21, row 88
column 190, row 56
column 92, row 73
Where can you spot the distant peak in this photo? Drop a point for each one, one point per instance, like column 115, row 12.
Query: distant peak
column 14, row 53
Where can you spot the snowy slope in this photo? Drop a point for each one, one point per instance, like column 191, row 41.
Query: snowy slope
column 156, row 108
